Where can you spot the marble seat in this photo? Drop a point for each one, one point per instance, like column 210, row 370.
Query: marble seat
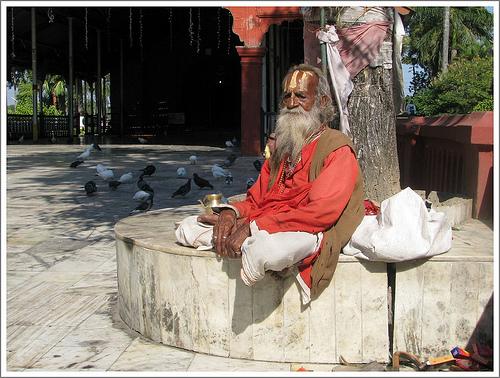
column 191, row 299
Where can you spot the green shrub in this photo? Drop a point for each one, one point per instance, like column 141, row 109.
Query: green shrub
column 51, row 110
column 465, row 85
column 484, row 106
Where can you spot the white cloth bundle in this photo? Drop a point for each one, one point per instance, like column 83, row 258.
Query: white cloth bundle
column 192, row 233
column 404, row 230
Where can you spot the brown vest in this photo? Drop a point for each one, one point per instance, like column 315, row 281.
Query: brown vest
column 337, row 236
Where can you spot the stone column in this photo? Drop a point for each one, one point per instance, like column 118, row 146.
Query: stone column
column 34, row 74
column 98, row 86
column 70, row 81
column 251, row 81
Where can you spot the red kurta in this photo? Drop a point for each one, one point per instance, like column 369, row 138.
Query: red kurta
column 300, row 205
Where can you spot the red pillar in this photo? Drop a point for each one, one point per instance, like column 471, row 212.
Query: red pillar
column 251, row 98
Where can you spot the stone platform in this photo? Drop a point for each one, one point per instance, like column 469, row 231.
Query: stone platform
column 191, row 299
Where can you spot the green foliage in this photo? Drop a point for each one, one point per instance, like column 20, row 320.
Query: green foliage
column 24, row 98
column 467, row 84
column 484, row 106
column 51, row 110
column 11, row 109
column 471, row 35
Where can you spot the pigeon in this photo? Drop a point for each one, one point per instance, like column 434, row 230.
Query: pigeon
column 106, row 175
column 250, row 182
column 143, row 206
column 181, row 172
column 229, row 143
column 99, row 168
column 76, row 163
column 218, row 171
column 90, row 187
column 21, row 139
column 84, row 155
column 53, row 138
column 193, row 159
column 114, row 184
column 183, row 189
column 95, row 146
column 142, row 195
column 229, row 160
column 229, row 179
column 148, row 171
column 126, row 178
column 258, row 165
column 143, row 185
column 142, row 140
column 201, row 182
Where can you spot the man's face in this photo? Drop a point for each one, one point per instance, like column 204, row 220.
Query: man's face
column 300, row 90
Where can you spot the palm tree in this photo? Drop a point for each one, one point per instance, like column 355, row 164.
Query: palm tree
column 471, row 29
column 55, row 86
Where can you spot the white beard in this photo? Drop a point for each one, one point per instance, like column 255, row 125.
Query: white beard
column 293, row 127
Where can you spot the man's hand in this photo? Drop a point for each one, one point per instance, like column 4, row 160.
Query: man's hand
column 208, row 218
column 225, row 225
column 236, row 239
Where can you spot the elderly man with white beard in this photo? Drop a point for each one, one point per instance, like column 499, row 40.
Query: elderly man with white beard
column 306, row 202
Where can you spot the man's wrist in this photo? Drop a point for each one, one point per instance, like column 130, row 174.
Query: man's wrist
column 219, row 208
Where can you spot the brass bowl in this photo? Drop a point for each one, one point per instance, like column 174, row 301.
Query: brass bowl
column 213, row 199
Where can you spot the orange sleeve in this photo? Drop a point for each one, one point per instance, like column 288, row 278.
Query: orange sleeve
column 255, row 193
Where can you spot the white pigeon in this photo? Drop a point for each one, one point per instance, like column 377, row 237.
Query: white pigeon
column 106, row 175
column 142, row 140
column 229, row 143
column 99, row 168
column 84, row 155
column 141, row 195
column 21, row 139
column 181, row 172
column 193, row 159
column 126, row 178
column 218, row 171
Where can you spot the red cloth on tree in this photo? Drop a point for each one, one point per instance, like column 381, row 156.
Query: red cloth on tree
column 358, row 45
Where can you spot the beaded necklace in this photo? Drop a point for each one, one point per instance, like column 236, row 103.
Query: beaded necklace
column 289, row 166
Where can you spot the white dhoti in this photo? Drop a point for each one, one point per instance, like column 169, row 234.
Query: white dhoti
column 261, row 251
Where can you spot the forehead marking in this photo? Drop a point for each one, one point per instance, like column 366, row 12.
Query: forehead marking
column 303, row 79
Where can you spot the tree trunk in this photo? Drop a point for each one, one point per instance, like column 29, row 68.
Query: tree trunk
column 446, row 39
column 372, row 115
column 373, row 126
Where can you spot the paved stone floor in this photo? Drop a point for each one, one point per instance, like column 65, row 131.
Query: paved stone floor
column 60, row 258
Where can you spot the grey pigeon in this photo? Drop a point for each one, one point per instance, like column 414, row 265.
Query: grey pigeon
column 143, row 185
column 114, row 184
column 201, row 182
column 250, row 182
column 149, row 170
column 258, row 165
column 76, row 163
column 96, row 147
column 183, row 189
column 90, row 187
column 229, row 160
column 143, row 206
